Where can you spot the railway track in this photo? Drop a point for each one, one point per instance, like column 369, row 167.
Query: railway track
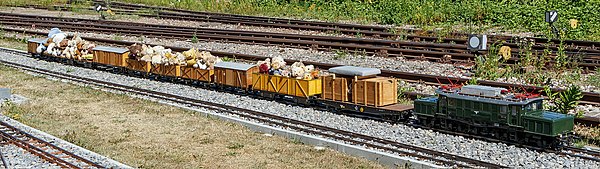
column 587, row 154
column 348, row 29
column 590, row 97
column 43, row 149
column 280, row 121
column 581, row 153
column 385, row 48
column 341, row 135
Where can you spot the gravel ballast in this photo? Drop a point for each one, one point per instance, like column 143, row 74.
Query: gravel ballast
column 16, row 157
column 491, row 152
column 20, row 158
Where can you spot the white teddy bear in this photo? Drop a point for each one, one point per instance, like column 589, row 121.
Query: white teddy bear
column 277, row 62
column 59, row 37
column 41, row 48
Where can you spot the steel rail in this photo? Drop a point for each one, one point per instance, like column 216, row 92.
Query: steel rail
column 572, row 46
column 32, row 144
column 349, row 29
column 275, row 120
column 4, row 163
column 591, row 154
column 594, row 154
column 426, row 53
column 456, row 48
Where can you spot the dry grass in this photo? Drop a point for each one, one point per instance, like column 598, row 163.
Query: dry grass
column 145, row 134
column 12, row 43
column 590, row 135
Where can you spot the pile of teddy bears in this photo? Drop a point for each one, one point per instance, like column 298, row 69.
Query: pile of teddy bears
column 161, row 55
column 58, row 45
column 298, row 70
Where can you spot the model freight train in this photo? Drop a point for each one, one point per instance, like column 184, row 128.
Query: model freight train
column 482, row 110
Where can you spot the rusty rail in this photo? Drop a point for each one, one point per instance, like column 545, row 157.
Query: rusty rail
column 348, row 29
column 413, row 50
column 41, row 148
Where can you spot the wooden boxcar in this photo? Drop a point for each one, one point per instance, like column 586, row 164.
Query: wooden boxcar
column 334, row 88
column 378, row 91
column 192, row 73
column 166, row 70
column 286, row 85
column 111, row 56
column 337, row 87
column 138, row 65
column 32, row 44
column 234, row 74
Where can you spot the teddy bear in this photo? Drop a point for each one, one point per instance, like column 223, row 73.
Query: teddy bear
column 297, row 70
column 209, row 59
column 309, row 68
column 307, row 76
column 58, row 38
column 147, row 50
column 181, row 59
column 190, row 54
column 50, row 48
column 277, row 62
column 135, row 51
column 264, row 66
column 41, row 48
column 156, row 58
column 89, row 48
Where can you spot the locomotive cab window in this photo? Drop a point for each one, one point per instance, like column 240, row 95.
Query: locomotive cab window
column 442, row 101
column 533, row 106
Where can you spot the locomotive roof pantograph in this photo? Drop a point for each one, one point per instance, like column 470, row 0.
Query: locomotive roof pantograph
column 486, row 94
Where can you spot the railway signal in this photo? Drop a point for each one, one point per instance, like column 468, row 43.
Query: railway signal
column 98, row 8
column 551, row 17
column 477, row 42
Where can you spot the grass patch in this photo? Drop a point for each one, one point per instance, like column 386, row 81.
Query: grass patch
column 12, row 42
column 145, row 134
column 590, row 135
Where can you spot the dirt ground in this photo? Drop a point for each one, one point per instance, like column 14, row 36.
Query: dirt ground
column 145, row 134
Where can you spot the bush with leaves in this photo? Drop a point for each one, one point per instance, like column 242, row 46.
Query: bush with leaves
column 565, row 100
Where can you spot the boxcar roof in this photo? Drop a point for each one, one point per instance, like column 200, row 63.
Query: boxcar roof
column 501, row 101
column 37, row 40
column 233, row 65
column 354, row 71
column 111, row 49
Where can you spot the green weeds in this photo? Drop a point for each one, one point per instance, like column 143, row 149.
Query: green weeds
column 194, row 38
column 565, row 100
column 227, row 59
column 488, row 66
column 340, row 54
column 235, row 146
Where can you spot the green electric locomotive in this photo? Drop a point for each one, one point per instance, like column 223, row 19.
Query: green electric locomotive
column 495, row 113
